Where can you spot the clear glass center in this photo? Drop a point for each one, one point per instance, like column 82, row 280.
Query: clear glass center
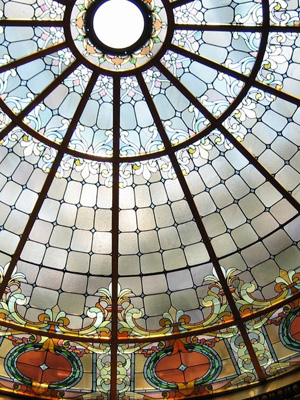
column 118, row 23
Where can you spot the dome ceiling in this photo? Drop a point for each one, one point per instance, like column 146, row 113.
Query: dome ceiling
column 149, row 203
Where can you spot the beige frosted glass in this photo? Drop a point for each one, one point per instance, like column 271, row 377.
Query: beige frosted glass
column 134, row 283
column 252, row 177
column 95, row 283
column 55, row 258
column 56, row 97
column 128, row 243
column 100, row 264
column 85, row 218
column 174, row 259
column 74, row 283
column 142, row 196
column 26, row 201
column 289, row 258
column 284, row 148
column 271, row 161
column 67, row 214
column 209, row 176
column 174, row 190
column 81, row 241
column 274, row 120
column 32, row 314
column 16, row 222
column 221, row 196
column 264, row 132
column 223, row 167
column 151, row 263
column 236, row 159
column 233, row 216
column 154, row 284
column 49, row 210
column 36, row 180
column 223, row 244
column 30, row 271
column 283, row 211
column 129, row 265
column 234, row 261
column 163, row 216
column 5, row 210
column 295, row 162
column 148, row 242
column 78, row 262
column 8, row 241
column 61, row 237
column 77, row 322
column 157, row 304
column 196, row 254
column 289, row 178
column 179, row 280
column 214, row 225
column 3, row 181
column 204, row 204
column 181, row 211
column 255, row 145
column 104, row 199
column 10, row 193
column 195, row 183
column 200, row 272
column 255, row 254
column 265, row 272
column 237, row 187
column 145, row 219
column 189, row 233
column 185, row 300
column 293, row 229
column 9, row 164
column 291, row 133
column 43, row 298
column 53, row 283
column 127, row 220
column 57, row 188
column 71, row 303
column 268, row 194
column 158, row 193
column 251, row 206
column 277, row 242
column 41, row 231
column 22, row 173
column 73, row 191
column 33, row 252
column 244, row 235
column 169, row 238
column 264, row 224
column 103, row 220
column 101, row 242
column 88, row 195
column 126, row 199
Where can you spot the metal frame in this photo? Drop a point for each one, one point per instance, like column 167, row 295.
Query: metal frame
column 249, row 81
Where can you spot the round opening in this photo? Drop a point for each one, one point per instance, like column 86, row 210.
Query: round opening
column 118, row 23
column 118, row 26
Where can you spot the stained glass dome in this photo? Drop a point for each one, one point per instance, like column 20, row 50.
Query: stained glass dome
column 149, row 203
